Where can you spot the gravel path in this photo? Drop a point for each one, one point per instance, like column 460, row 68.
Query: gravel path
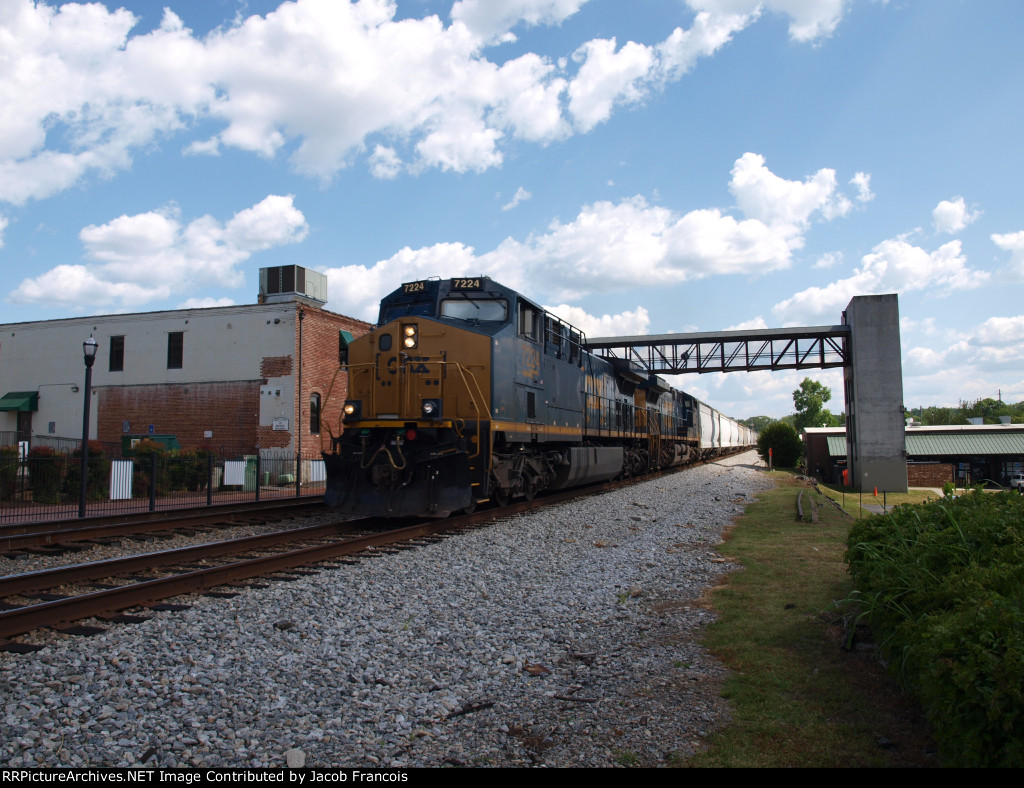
column 562, row 638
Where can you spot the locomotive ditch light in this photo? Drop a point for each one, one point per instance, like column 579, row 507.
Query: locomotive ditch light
column 410, row 337
column 431, row 408
column 352, row 409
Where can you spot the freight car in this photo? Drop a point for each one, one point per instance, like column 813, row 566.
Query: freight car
column 467, row 391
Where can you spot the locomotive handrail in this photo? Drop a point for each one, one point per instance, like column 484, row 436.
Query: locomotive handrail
column 463, row 372
column 348, row 369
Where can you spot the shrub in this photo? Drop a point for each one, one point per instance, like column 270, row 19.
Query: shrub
column 46, row 469
column 98, row 474
column 187, row 471
column 145, row 451
column 942, row 585
column 785, row 443
column 8, row 472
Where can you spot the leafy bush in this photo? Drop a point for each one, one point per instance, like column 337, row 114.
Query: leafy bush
column 785, row 443
column 942, row 585
column 97, row 476
column 145, row 451
column 8, row 472
column 46, row 469
column 187, row 470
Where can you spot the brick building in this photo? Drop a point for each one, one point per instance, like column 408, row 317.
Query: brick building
column 238, row 379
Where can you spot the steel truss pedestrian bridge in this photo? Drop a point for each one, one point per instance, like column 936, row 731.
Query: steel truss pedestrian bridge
column 866, row 345
column 815, row 347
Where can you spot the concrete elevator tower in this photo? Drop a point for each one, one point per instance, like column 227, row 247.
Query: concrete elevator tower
column 876, row 448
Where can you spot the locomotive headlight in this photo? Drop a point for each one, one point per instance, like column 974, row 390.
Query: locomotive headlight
column 431, row 408
column 410, row 337
column 352, row 409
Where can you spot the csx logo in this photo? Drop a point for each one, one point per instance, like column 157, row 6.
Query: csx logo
column 531, row 362
column 414, row 365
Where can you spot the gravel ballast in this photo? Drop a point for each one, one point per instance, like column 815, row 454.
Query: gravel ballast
column 566, row 637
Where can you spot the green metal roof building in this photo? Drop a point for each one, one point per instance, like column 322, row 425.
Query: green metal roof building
column 962, row 454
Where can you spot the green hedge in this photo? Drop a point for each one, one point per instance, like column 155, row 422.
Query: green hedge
column 942, row 587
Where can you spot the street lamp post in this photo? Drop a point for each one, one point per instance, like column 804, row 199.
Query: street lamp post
column 89, row 352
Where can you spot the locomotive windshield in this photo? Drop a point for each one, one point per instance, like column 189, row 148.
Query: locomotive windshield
column 490, row 310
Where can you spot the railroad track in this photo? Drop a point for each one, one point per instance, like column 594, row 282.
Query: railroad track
column 55, row 536
column 58, row 597
column 104, row 588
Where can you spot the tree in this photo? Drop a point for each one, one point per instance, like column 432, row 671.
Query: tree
column 785, row 443
column 758, row 423
column 988, row 409
column 810, row 401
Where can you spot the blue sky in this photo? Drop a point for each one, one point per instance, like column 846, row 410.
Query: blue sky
column 642, row 167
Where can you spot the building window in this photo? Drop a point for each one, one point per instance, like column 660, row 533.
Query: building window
column 117, row 354
column 314, row 413
column 175, row 349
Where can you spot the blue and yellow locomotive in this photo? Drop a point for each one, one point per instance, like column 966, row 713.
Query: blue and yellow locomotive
column 466, row 391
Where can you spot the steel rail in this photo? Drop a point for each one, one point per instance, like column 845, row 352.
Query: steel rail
column 63, row 611
column 25, row 535
column 43, row 579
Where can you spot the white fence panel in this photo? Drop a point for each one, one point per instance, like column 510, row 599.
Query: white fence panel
column 121, row 472
column 314, row 471
column 234, row 472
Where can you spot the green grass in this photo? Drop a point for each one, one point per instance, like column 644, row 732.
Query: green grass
column 851, row 502
column 797, row 698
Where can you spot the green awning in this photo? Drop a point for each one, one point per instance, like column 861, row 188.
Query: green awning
column 20, row 400
column 836, row 445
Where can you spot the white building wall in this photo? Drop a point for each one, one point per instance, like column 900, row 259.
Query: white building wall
column 219, row 344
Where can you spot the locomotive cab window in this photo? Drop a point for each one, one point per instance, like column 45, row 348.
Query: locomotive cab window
column 489, row 310
column 528, row 320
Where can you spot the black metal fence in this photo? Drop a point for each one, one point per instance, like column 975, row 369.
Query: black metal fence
column 45, row 484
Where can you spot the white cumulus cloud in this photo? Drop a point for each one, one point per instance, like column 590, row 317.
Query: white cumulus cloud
column 385, row 162
column 952, row 216
column 829, row 260
column 205, row 303
column 809, row 19
column 763, row 195
column 862, row 181
column 489, row 19
column 626, row 323
column 152, row 255
column 612, row 246
column 892, row 266
column 331, row 82
column 976, row 353
column 521, row 195
column 1014, row 244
